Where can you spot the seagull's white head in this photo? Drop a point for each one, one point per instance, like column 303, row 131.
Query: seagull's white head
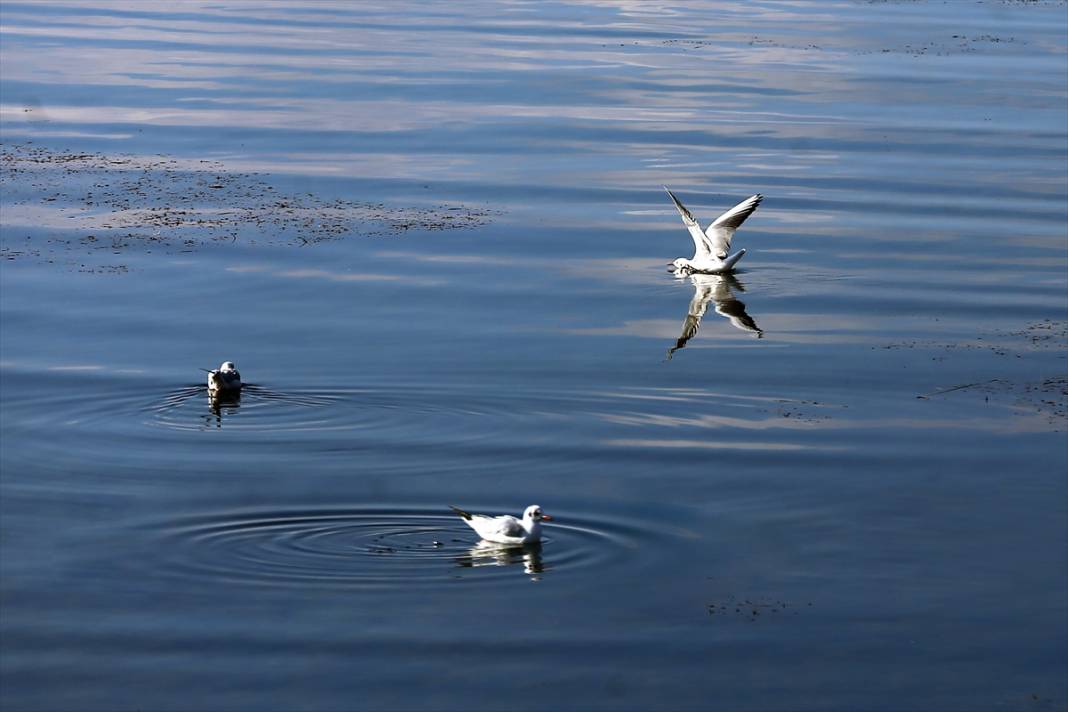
column 680, row 264
column 534, row 514
column 224, row 378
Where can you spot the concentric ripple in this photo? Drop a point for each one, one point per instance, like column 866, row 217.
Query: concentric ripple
column 367, row 409
column 360, row 548
column 256, row 408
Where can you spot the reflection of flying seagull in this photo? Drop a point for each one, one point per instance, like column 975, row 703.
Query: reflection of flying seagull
column 711, row 246
column 715, row 288
column 507, row 529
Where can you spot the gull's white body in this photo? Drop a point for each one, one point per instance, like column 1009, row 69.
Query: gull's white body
column 712, row 246
column 506, row 529
column 717, row 289
column 224, row 379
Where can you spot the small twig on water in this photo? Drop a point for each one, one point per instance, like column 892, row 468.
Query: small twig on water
column 925, row 396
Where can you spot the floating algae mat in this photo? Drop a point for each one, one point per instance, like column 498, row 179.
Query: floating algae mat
column 57, row 202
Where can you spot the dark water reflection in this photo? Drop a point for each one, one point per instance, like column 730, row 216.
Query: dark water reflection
column 433, row 236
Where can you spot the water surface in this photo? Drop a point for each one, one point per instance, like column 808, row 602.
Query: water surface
column 433, row 238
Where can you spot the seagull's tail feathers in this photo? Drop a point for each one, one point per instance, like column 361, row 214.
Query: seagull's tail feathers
column 729, row 262
column 462, row 513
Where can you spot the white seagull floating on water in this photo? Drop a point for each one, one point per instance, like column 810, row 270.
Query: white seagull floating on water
column 224, row 379
column 507, row 529
column 712, row 246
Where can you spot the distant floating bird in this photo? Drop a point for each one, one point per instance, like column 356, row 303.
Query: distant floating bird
column 712, row 246
column 225, row 379
column 506, row 529
column 718, row 289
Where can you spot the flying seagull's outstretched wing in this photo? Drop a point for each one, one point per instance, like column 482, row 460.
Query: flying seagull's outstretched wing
column 721, row 231
column 701, row 244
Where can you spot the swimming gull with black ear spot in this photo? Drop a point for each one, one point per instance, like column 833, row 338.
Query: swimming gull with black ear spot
column 506, row 529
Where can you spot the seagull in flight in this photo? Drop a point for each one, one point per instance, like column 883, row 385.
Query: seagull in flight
column 225, row 379
column 507, row 529
column 712, row 246
column 715, row 288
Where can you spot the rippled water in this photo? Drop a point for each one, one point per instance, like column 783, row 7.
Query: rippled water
column 385, row 548
column 433, row 238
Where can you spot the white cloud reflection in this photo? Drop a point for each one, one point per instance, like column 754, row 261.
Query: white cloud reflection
column 682, row 444
column 327, row 275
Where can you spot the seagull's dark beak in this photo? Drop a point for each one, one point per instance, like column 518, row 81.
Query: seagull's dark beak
column 546, row 518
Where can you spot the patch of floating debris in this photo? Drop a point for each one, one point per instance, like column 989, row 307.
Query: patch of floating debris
column 121, row 203
column 1045, row 395
column 941, row 45
column 751, row 609
column 1045, row 334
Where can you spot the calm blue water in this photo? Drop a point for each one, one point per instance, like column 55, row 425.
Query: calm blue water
column 433, row 238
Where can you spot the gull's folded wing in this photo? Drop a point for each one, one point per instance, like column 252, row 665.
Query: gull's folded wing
column 509, row 526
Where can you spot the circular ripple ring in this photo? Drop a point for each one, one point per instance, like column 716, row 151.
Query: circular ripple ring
column 355, row 548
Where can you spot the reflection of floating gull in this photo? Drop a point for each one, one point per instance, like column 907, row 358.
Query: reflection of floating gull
column 486, row 553
column 222, row 402
column 224, row 379
column 711, row 247
column 507, row 529
column 716, row 288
